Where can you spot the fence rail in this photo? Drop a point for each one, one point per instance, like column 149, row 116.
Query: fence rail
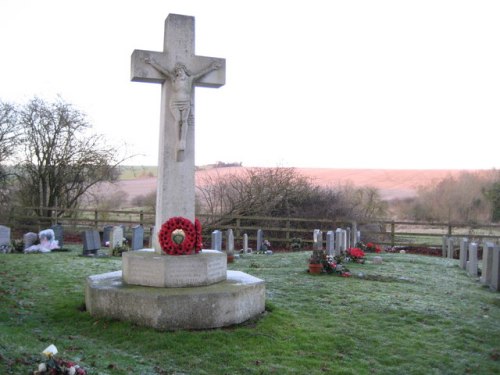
column 280, row 231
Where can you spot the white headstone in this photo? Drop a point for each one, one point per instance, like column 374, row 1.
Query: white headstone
column 229, row 241
column 176, row 168
column 116, row 237
column 472, row 263
column 464, row 244
column 487, row 267
column 330, row 242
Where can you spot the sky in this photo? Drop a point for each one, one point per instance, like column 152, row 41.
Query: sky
column 376, row 84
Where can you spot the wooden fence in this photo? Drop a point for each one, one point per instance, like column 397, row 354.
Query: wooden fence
column 279, row 231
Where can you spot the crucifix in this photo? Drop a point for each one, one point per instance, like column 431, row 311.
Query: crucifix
column 178, row 70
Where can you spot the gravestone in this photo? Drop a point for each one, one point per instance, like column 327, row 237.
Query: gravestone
column 338, row 241
column 464, row 245
column 348, row 238
column 355, row 233
column 317, row 239
column 444, row 246
column 4, row 238
column 450, row 247
column 137, row 237
column 91, row 242
column 170, row 292
column 495, row 268
column 330, row 242
column 29, row 239
column 487, row 267
column 106, row 234
column 260, row 240
column 217, row 240
column 344, row 240
column 229, row 241
column 245, row 243
column 472, row 262
column 116, row 237
column 58, row 234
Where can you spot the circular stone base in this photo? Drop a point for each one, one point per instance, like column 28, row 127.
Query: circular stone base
column 239, row 298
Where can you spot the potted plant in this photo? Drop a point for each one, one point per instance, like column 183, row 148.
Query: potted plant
column 316, row 261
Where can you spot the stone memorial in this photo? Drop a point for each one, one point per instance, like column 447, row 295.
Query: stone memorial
column 245, row 244
column 116, row 237
column 330, row 243
column 317, row 239
column 229, row 241
column 487, row 266
column 137, row 242
column 106, row 234
column 260, row 240
column 464, row 245
column 187, row 291
column 91, row 242
column 217, row 240
column 4, row 235
column 29, row 239
column 58, row 234
column 450, row 247
column 495, row 268
column 338, row 241
column 472, row 263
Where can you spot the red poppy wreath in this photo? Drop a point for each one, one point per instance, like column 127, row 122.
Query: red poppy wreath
column 179, row 236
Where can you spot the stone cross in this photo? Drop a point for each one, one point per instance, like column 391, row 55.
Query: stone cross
column 178, row 70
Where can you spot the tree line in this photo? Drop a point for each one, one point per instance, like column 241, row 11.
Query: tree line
column 50, row 157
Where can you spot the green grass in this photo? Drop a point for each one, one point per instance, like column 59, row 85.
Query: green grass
column 410, row 315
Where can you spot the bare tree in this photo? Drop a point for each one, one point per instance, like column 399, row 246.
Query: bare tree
column 61, row 159
column 9, row 138
column 283, row 192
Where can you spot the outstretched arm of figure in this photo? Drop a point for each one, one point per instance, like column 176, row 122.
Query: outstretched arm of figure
column 158, row 67
column 213, row 66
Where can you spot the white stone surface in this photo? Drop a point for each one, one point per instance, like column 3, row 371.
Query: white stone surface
column 174, row 271
column 233, row 301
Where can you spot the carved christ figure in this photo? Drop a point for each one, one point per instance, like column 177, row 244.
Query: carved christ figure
column 180, row 100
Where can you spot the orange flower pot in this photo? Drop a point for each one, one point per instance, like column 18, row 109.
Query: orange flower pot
column 315, row 268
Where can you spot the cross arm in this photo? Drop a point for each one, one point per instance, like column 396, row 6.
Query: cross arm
column 141, row 71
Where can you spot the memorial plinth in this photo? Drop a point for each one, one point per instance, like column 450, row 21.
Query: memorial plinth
column 239, row 298
column 151, row 269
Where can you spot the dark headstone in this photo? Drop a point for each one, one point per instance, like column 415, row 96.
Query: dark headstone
column 91, row 242
column 58, row 234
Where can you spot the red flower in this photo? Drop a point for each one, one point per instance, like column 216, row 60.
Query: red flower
column 190, row 243
column 356, row 252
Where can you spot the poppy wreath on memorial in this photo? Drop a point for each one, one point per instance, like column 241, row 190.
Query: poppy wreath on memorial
column 179, row 236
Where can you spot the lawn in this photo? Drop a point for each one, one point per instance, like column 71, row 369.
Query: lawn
column 411, row 315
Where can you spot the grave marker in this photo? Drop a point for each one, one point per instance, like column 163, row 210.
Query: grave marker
column 29, row 239
column 58, row 234
column 330, row 241
column 137, row 237
column 91, row 242
column 472, row 263
column 464, row 244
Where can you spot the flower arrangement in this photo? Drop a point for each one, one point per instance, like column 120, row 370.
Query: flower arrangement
column 57, row 366
column 179, row 236
column 373, row 248
column 356, row 254
column 327, row 264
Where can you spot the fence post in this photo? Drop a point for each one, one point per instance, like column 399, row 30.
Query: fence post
column 238, row 225
column 393, row 233
column 449, row 229
column 287, row 233
column 96, row 219
column 141, row 217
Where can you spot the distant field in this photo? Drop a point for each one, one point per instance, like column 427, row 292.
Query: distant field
column 392, row 184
